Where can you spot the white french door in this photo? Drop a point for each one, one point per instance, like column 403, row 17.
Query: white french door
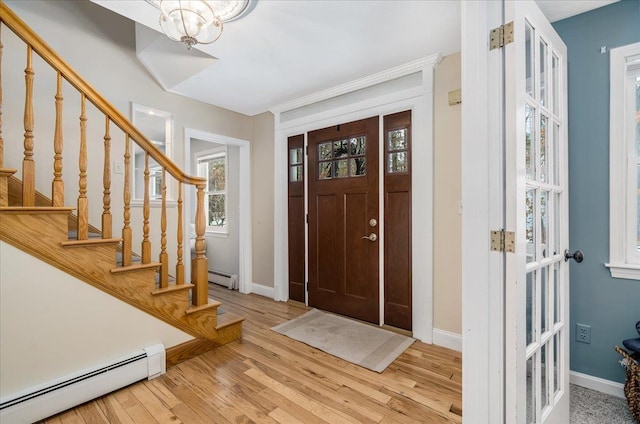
column 537, row 275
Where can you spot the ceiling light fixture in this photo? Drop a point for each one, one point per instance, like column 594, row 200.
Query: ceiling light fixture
column 198, row 21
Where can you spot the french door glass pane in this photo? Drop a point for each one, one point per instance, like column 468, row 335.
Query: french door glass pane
column 544, row 223
column 556, row 223
column 555, row 89
column 544, row 383
column 556, row 154
column 556, row 292
column 544, row 91
column 531, row 390
column 528, row 46
column 544, row 301
column 531, row 307
column 544, row 148
column 529, row 134
column 556, row 363
column 531, row 225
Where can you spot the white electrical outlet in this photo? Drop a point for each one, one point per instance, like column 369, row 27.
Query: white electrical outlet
column 118, row 167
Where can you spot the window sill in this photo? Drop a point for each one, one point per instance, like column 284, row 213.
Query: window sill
column 626, row 271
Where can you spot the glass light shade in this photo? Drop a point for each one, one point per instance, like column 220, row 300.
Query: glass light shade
column 190, row 21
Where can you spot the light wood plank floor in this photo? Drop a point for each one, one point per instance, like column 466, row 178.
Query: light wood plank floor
column 269, row 378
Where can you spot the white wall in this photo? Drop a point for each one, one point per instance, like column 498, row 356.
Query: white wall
column 222, row 251
column 52, row 324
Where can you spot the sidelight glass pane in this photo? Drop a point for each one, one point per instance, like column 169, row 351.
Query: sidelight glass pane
column 638, row 209
column 358, row 146
column 530, row 225
column 358, row 166
column 544, row 148
column 557, row 295
column 324, row 151
column 295, row 173
column 340, row 149
column 341, row 169
column 530, row 143
column 295, row 156
column 528, row 46
column 544, row 223
column 544, row 381
column 324, row 170
column 544, row 299
column 531, row 307
column 531, row 390
column 544, row 91
column 397, row 139
column 397, row 162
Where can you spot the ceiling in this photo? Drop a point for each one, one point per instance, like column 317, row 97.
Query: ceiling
column 286, row 49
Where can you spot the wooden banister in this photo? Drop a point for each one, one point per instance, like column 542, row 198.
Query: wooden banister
column 12, row 21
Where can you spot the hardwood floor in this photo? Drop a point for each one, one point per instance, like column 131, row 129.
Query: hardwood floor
column 268, row 378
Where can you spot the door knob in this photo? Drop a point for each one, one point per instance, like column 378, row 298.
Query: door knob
column 371, row 237
column 576, row 256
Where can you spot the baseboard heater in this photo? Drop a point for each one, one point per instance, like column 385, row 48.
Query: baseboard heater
column 50, row 398
column 230, row 281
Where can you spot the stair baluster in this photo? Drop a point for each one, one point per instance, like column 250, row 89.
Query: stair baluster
column 83, row 202
column 199, row 264
column 146, row 244
column 107, row 226
column 4, row 173
column 57, row 186
column 164, row 257
column 28, row 164
column 126, row 230
column 179, row 263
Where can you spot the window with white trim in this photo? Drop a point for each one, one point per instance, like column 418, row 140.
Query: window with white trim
column 624, row 165
column 212, row 165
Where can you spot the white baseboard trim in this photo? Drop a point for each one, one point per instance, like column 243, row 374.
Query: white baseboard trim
column 447, row 339
column 596, row 383
column 261, row 290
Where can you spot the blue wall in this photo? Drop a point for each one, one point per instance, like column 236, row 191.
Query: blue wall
column 610, row 306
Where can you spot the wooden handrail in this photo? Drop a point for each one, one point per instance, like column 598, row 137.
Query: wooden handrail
column 20, row 28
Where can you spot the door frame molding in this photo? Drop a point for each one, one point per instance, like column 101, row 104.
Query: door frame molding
column 418, row 99
column 245, row 273
column 483, row 341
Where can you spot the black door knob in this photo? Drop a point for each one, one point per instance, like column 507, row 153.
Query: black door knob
column 576, row 256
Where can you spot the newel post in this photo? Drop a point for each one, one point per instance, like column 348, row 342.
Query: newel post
column 199, row 265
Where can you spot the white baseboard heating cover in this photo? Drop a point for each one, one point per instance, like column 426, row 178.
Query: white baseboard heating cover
column 230, row 281
column 50, row 398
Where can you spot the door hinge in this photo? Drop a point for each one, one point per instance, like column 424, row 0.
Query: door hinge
column 503, row 241
column 501, row 36
column 306, row 150
column 307, row 218
column 306, row 286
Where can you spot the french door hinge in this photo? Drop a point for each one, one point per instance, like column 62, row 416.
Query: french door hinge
column 503, row 241
column 501, row 36
column 307, row 218
column 306, row 150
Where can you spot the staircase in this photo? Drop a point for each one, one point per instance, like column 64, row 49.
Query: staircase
column 48, row 229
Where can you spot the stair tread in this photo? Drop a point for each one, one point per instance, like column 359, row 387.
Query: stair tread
column 136, row 267
column 36, row 209
column 90, row 241
column 172, row 288
column 226, row 319
column 211, row 305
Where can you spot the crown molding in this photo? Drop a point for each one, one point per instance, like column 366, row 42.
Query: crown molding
column 359, row 84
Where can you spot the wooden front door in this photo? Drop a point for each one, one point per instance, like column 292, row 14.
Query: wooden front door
column 343, row 219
